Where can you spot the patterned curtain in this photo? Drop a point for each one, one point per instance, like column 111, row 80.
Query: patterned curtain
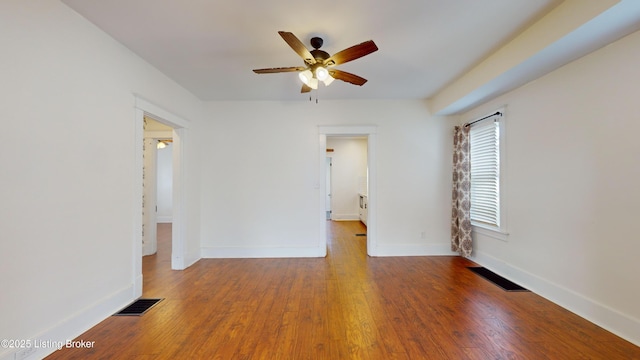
column 461, row 195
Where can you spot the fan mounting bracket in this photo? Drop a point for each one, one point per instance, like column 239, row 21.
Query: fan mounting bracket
column 316, row 42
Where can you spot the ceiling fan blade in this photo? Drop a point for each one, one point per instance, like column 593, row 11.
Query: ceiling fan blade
column 352, row 53
column 347, row 77
column 279, row 70
column 305, row 88
column 298, row 47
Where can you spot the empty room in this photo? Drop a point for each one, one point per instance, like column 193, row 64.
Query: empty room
column 365, row 179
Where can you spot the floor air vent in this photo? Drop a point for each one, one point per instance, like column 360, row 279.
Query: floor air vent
column 138, row 307
column 497, row 279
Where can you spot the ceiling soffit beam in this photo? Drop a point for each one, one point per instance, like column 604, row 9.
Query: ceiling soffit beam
column 547, row 43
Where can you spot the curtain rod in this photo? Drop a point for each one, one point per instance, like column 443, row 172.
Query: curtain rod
column 498, row 113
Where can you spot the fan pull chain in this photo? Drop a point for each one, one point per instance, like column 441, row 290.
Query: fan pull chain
column 311, row 96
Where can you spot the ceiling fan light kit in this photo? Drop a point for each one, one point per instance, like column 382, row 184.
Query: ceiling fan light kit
column 308, row 79
column 328, row 80
column 319, row 64
column 322, row 73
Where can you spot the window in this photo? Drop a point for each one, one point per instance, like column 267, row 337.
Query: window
column 485, row 174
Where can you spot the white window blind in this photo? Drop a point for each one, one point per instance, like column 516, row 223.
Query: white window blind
column 485, row 173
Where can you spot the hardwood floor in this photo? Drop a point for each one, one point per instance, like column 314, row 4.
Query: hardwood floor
column 345, row 306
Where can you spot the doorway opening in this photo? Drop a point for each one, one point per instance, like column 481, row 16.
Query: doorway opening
column 347, row 180
column 175, row 129
column 347, row 177
column 349, row 183
column 157, row 183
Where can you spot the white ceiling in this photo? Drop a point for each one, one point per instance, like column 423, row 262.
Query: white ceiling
column 211, row 46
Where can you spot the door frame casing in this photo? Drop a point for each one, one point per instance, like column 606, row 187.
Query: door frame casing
column 370, row 132
column 144, row 108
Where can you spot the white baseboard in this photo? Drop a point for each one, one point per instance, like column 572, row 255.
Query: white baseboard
column 255, row 252
column 149, row 249
column 345, row 217
column 610, row 319
column 137, row 286
column 415, row 250
column 70, row 328
column 190, row 259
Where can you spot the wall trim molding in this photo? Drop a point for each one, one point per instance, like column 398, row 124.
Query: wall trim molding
column 261, row 252
column 610, row 319
column 370, row 131
column 345, row 217
column 191, row 258
column 78, row 323
column 180, row 126
column 159, row 114
column 148, row 249
column 415, row 250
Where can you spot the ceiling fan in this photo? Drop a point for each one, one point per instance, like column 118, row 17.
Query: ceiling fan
column 319, row 64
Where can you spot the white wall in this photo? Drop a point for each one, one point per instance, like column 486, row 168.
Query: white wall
column 67, row 145
column 572, row 187
column 67, row 157
column 260, row 168
column 349, row 173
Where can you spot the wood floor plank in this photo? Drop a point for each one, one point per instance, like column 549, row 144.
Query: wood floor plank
column 345, row 306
